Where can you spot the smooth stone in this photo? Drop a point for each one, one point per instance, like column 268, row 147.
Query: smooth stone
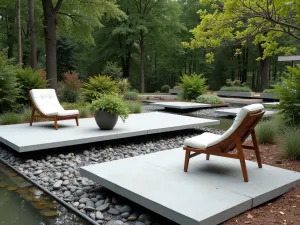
column 89, row 209
column 84, row 200
column 100, row 202
column 125, row 215
column 66, row 182
column 113, row 211
column 117, row 222
column 125, row 208
column 144, row 217
column 99, row 215
column 79, row 192
column 139, row 223
column 132, row 217
column 38, row 172
column 90, row 203
column 76, row 204
column 103, row 207
column 57, row 184
column 92, row 215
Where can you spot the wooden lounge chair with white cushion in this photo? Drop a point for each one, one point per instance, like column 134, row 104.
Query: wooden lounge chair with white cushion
column 46, row 104
column 234, row 137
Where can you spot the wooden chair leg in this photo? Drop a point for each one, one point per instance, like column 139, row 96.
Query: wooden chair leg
column 242, row 159
column 55, row 123
column 186, row 161
column 32, row 116
column 256, row 149
column 76, row 118
column 207, row 156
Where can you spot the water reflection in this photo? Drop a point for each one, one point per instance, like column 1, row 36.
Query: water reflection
column 21, row 203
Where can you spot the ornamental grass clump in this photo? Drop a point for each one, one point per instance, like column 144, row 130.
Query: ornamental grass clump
column 135, row 107
column 11, row 118
column 291, row 143
column 112, row 104
column 133, row 96
column 266, row 132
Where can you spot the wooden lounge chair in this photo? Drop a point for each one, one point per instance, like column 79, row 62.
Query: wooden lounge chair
column 46, row 104
column 234, row 137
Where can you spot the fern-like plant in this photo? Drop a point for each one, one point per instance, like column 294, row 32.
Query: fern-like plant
column 29, row 79
column 288, row 91
column 98, row 86
column 9, row 87
column 192, row 86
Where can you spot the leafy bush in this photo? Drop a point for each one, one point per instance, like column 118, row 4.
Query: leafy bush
column 111, row 104
column 288, row 91
column 70, row 89
column 177, row 87
column 111, row 69
column 98, row 86
column 192, row 86
column 123, row 85
column 291, row 143
column 84, row 112
column 29, row 79
column 236, row 88
column 9, row 88
column 165, row 88
column 135, row 107
column 209, row 99
column 11, row 118
column 133, row 96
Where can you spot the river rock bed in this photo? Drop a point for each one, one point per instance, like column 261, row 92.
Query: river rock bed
column 58, row 172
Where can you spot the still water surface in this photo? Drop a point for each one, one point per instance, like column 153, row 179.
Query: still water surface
column 21, row 203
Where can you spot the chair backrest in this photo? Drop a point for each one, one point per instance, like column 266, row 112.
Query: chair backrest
column 45, row 100
column 242, row 126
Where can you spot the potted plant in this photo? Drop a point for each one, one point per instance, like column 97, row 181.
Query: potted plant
column 107, row 110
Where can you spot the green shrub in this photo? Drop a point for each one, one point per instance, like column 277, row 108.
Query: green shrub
column 236, row 88
column 29, row 79
column 9, row 88
column 192, row 86
column 135, row 107
column 165, row 89
column 134, row 90
column 112, row 69
column 123, row 85
column 11, row 118
column 98, row 86
column 112, row 104
column 133, row 96
column 209, row 99
column 84, row 112
column 231, row 83
column 291, row 143
column 288, row 91
column 177, row 87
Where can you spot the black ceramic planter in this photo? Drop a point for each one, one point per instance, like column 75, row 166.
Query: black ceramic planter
column 105, row 120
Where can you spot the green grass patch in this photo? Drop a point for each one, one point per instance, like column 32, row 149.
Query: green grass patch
column 135, row 107
column 11, row 118
column 291, row 143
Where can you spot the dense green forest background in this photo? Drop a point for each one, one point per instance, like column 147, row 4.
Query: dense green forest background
column 145, row 47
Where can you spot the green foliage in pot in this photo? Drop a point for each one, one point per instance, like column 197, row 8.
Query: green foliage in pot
column 112, row 104
column 98, row 86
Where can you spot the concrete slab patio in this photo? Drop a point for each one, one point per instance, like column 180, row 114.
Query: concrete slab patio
column 235, row 111
column 40, row 136
column 181, row 105
column 210, row 193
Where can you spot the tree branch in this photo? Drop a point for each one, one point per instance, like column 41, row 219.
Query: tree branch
column 57, row 6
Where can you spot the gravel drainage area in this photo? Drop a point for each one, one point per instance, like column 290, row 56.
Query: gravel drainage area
column 57, row 172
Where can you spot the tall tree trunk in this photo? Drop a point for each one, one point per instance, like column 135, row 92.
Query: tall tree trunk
column 32, row 31
column 19, row 33
column 50, row 42
column 264, row 70
column 245, row 65
column 142, row 62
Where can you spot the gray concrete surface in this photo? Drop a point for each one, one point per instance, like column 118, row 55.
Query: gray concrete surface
column 181, row 105
column 211, row 192
column 235, row 111
column 23, row 138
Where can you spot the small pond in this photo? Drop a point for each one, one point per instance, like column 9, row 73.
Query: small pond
column 21, row 203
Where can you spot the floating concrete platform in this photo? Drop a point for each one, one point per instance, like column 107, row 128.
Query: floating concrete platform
column 210, row 193
column 23, row 138
column 235, row 111
column 181, row 105
column 271, row 104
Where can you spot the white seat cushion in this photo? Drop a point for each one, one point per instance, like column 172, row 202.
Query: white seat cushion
column 202, row 141
column 206, row 140
column 46, row 101
column 68, row 112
